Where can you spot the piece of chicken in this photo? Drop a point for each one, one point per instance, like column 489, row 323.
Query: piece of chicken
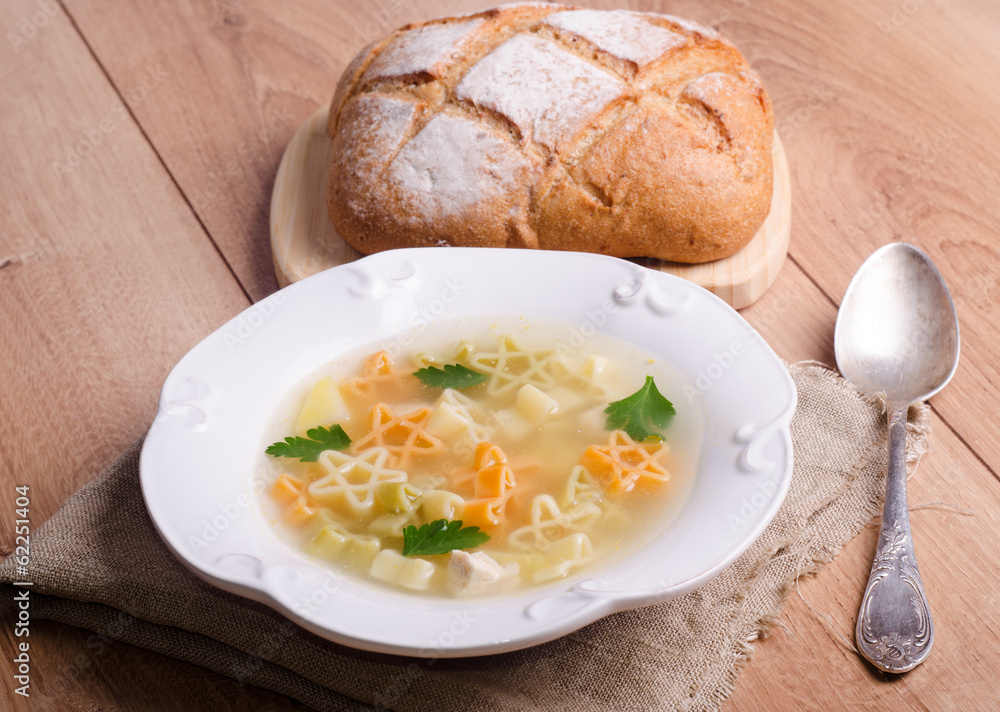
column 479, row 574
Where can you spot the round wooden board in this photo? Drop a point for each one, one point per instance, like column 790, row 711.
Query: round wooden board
column 304, row 241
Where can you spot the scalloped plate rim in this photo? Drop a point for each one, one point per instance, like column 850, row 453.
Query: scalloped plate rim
column 593, row 606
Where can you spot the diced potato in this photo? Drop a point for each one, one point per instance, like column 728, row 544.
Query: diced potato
column 594, row 367
column 447, row 421
column 416, row 574
column 324, row 406
column 393, row 567
column 396, row 496
column 440, row 504
column 534, row 404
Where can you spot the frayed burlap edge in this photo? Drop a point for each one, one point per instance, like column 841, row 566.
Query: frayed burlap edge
column 918, row 429
column 762, row 595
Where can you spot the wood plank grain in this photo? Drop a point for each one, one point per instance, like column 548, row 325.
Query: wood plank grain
column 245, row 76
column 804, row 664
column 888, row 133
column 106, row 280
column 893, row 140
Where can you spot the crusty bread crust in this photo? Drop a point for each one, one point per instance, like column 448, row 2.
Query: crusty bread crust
column 545, row 126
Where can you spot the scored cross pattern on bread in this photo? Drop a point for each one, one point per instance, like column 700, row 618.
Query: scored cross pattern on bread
column 541, row 125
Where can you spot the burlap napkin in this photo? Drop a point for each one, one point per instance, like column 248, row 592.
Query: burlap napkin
column 99, row 564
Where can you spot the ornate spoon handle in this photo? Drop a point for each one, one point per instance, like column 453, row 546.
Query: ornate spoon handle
column 895, row 631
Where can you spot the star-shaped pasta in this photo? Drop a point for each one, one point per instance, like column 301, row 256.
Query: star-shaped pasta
column 404, row 437
column 511, row 367
column 455, row 419
column 623, row 462
column 351, row 480
column 464, row 477
column 493, row 482
column 570, row 551
column 292, row 492
column 460, row 354
column 589, row 379
column 549, row 523
column 380, row 379
column 580, row 487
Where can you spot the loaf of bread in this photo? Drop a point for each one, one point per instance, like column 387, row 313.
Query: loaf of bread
column 545, row 126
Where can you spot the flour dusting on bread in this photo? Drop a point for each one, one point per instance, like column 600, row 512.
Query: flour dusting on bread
column 540, row 125
column 545, row 90
column 620, row 33
column 452, row 165
column 421, row 50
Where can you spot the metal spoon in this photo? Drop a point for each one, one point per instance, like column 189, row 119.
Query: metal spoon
column 896, row 337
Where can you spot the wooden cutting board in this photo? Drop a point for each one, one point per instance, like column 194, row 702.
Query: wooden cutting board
column 304, row 241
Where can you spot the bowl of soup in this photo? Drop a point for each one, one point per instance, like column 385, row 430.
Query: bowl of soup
column 458, row 451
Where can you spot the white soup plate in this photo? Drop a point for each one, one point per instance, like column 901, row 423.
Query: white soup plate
column 200, row 456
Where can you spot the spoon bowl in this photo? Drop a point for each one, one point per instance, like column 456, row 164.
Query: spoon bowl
column 897, row 331
column 897, row 339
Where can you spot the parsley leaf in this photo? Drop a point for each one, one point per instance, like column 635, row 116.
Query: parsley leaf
column 308, row 449
column 641, row 414
column 440, row 537
column 454, row 375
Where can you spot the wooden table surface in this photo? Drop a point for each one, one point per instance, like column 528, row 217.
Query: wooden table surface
column 138, row 145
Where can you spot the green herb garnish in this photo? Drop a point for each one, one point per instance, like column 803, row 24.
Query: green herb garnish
column 453, row 375
column 641, row 414
column 309, row 448
column 440, row 537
